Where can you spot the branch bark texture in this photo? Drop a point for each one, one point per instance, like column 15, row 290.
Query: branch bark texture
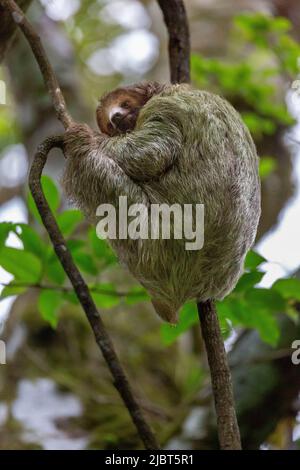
column 8, row 26
column 228, row 431
column 175, row 17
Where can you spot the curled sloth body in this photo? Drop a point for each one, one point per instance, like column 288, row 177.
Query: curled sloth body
column 183, row 146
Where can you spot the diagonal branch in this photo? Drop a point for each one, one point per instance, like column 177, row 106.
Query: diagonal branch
column 101, row 336
column 42, row 60
column 8, row 27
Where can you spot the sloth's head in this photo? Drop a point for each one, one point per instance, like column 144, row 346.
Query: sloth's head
column 118, row 110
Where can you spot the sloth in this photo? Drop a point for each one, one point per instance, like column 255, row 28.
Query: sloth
column 118, row 110
column 171, row 144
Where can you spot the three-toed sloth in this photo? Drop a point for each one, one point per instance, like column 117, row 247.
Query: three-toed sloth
column 171, row 144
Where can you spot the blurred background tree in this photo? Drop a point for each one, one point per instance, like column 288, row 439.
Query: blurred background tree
column 51, row 392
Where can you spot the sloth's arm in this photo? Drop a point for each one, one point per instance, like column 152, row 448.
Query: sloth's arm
column 90, row 177
column 153, row 147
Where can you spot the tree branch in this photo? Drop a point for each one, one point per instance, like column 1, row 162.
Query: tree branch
column 42, row 60
column 101, row 336
column 8, row 27
column 229, row 436
column 228, row 431
column 179, row 39
column 67, row 289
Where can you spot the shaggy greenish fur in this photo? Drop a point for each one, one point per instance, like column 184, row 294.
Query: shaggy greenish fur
column 188, row 147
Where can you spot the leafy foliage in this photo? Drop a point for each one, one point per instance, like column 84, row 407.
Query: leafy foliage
column 254, row 89
column 248, row 306
column 188, row 317
column 49, row 303
column 36, row 263
column 22, row 264
column 266, row 166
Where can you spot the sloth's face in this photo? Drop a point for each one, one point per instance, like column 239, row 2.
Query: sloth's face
column 118, row 111
column 122, row 115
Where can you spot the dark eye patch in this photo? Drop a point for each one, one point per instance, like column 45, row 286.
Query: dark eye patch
column 125, row 104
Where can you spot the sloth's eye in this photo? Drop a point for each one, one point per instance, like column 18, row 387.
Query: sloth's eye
column 125, row 104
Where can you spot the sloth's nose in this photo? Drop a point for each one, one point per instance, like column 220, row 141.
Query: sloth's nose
column 116, row 117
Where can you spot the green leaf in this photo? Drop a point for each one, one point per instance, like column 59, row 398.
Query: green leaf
column 24, row 266
column 136, row 294
column 289, row 51
column 51, row 193
column 71, row 297
column 105, row 300
column 75, row 245
column 5, row 228
column 49, row 303
column 234, row 309
column 246, row 314
column 85, row 262
column 188, row 316
column 267, row 299
column 288, row 288
column 54, row 270
column 253, row 260
column 248, row 280
column 101, row 248
column 257, row 26
column 258, row 125
column 68, row 221
column 266, row 166
column 267, row 326
column 31, row 240
column 8, row 128
column 9, row 291
column 281, row 24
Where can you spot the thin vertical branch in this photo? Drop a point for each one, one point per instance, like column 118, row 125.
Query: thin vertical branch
column 228, row 431
column 175, row 17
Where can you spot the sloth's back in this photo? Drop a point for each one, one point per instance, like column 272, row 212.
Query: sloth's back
column 218, row 167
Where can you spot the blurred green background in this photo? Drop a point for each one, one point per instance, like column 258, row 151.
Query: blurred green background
column 55, row 390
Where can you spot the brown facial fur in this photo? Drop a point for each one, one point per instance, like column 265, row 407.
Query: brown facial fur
column 129, row 100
